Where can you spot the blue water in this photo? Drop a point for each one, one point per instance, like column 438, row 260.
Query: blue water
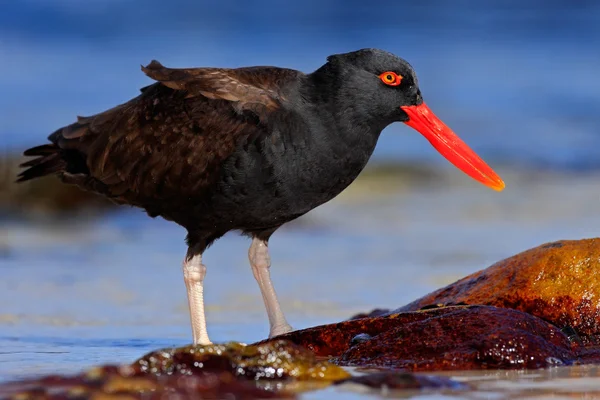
column 518, row 80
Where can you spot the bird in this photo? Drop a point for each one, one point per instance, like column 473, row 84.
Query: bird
column 245, row 149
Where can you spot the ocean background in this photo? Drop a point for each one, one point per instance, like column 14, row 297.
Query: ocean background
column 517, row 80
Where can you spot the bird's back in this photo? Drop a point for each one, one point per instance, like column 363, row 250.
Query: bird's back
column 164, row 150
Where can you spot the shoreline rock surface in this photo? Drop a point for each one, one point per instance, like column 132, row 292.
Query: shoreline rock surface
column 537, row 309
column 558, row 282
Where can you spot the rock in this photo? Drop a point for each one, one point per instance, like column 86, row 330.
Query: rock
column 538, row 309
column 217, row 371
column 112, row 382
column 277, row 359
column 558, row 282
column 448, row 338
column 276, row 369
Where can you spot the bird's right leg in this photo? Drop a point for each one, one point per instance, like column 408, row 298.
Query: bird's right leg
column 260, row 261
column 193, row 275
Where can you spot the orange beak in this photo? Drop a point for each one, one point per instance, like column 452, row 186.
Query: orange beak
column 451, row 146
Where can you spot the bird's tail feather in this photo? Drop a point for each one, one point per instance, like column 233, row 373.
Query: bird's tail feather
column 48, row 161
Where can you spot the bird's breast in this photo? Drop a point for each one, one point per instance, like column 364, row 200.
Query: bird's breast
column 288, row 172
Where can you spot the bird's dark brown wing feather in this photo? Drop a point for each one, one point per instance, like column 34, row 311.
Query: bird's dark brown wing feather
column 170, row 141
column 250, row 88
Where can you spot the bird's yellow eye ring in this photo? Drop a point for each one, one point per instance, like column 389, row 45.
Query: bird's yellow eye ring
column 391, row 78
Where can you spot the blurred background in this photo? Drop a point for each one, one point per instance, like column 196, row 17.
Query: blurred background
column 82, row 281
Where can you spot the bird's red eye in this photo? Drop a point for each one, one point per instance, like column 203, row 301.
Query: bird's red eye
column 391, row 78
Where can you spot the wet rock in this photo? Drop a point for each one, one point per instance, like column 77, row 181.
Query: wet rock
column 572, row 335
column 217, row 371
column 538, row 309
column 558, row 282
column 122, row 383
column 276, row 359
column 276, row 369
column 334, row 339
column 448, row 338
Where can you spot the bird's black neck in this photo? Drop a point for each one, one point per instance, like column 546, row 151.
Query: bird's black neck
column 336, row 102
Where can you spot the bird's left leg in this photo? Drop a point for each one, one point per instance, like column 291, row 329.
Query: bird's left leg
column 260, row 261
column 193, row 275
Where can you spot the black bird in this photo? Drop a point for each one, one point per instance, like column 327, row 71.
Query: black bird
column 245, row 149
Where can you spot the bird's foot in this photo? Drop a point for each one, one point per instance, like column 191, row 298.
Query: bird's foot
column 202, row 342
column 280, row 330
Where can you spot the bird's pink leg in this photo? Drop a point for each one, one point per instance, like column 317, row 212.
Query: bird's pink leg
column 193, row 275
column 261, row 262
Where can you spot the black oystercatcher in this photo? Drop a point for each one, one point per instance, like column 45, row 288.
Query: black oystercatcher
column 246, row 149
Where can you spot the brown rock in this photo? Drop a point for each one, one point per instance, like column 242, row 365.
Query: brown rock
column 558, row 282
column 449, row 338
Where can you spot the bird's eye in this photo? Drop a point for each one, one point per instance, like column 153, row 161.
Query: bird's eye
column 391, row 78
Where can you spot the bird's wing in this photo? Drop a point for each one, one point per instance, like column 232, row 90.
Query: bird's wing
column 171, row 140
column 255, row 89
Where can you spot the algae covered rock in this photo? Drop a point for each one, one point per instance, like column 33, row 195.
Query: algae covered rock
column 558, row 282
column 277, row 359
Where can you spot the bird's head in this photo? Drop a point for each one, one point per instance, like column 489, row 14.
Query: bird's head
column 382, row 87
